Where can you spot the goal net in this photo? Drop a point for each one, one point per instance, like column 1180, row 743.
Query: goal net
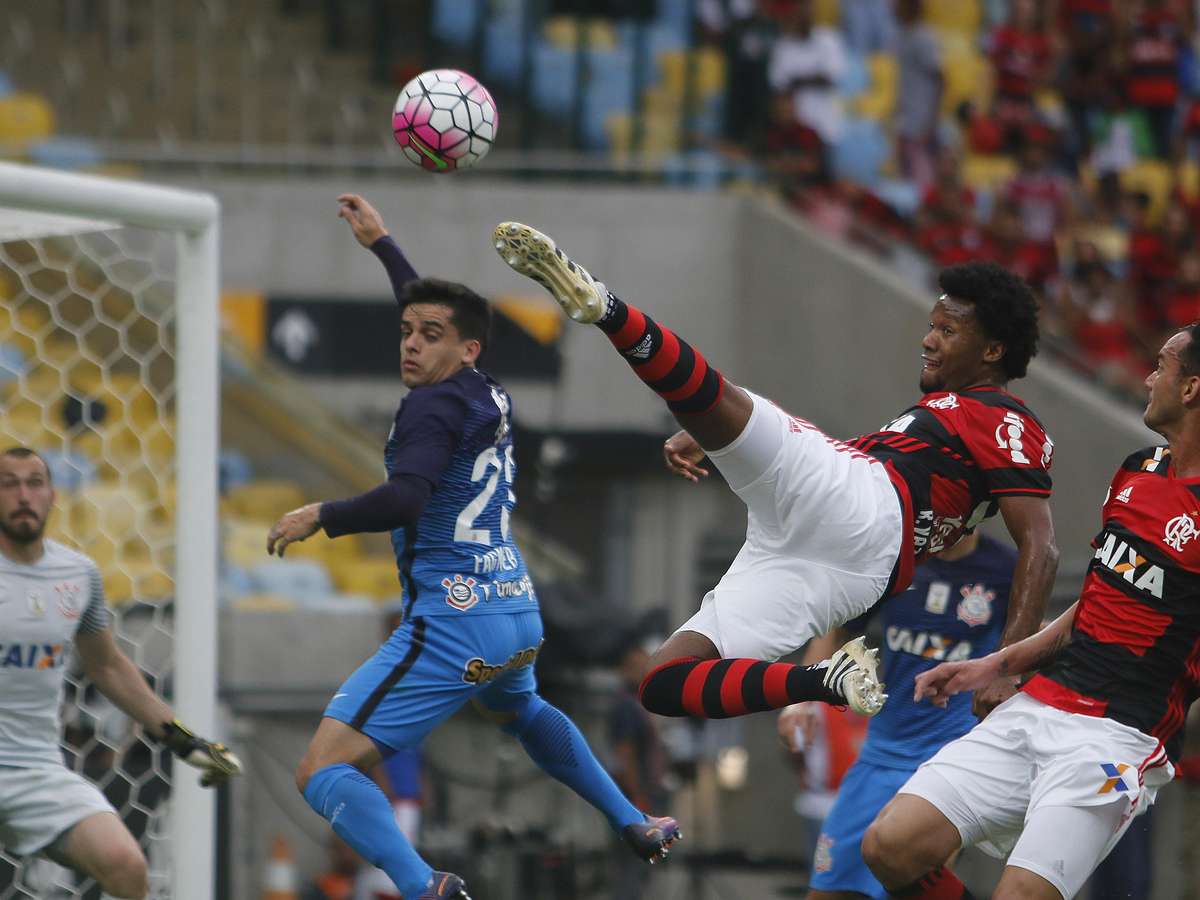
column 108, row 367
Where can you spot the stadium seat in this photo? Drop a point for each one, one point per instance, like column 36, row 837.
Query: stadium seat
column 563, row 31
column 879, row 100
column 967, row 76
column 25, row 118
column 244, row 541
column 265, row 499
column 502, row 49
column 1154, row 178
column 375, row 576
column 454, row 21
column 856, row 78
column 957, row 17
column 860, row 151
column 65, row 153
column 264, row 602
column 136, row 580
column 554, row 81
column 987, row 173
column 708, row 73
column 70, row 471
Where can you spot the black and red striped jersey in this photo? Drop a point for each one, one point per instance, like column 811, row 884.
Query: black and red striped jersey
column 1134, row 654
column 954, row 455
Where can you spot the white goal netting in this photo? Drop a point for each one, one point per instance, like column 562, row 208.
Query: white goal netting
column 89, row 366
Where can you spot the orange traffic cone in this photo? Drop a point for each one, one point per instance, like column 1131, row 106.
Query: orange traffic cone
column 279, row 879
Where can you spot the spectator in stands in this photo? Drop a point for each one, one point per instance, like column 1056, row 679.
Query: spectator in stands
column 1121, row 134
column 1041, row 194
column 1008, row 245
column 805, row 66
column 1096, row 311
column 1152, row 53
column 639, row 764
column 1088, row 29
column 1181, row 305
column 919, row 98
column 747, row 31
column 868, row 26
column 337, row 880
column 1021, row 56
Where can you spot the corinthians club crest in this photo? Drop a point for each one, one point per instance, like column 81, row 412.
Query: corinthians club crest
column 461, row 593
column 975, row 608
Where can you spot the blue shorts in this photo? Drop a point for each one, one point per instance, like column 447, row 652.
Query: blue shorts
column 838, row 864
column 432, row 665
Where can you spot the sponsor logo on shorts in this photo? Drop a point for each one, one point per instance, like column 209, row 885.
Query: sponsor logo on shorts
column 975, row 608
column 1113, row 780
column 1180, row 530
column 823, row 858
column 460, row 592
column 1117, row 556
column 476, row 671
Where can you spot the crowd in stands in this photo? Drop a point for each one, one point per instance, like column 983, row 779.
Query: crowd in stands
column 1058, row 138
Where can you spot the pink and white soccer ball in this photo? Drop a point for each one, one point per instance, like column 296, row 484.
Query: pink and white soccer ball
column 444, row 120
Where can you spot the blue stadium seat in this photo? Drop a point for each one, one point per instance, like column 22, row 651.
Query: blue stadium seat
column 233, row 469
column 554, row 79
column 70, row 471
column 454, row 21
column 901, row 195
column 610, row 90
column 65, row 153
column 502, row 47
column 856, row 78
column 12, row 363
column 6, row 85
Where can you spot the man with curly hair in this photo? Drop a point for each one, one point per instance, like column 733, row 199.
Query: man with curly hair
column 834, row 527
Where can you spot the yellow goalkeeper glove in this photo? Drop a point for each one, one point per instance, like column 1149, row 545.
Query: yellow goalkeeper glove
column 216, row 762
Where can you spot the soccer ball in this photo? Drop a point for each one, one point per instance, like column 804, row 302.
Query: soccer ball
column 444, row 120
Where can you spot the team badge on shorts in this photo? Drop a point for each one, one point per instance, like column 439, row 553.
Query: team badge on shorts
column 1114, row 781
column 461, row 593
column 823, row 858
column 975, row 608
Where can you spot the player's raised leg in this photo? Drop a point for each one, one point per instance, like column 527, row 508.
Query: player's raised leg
column 102, row 847
column 713, row 410
column 558, row 747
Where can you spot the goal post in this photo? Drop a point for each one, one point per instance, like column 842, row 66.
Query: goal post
column 37, row 204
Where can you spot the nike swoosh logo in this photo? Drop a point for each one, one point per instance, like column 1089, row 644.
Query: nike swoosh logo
column 423, row 148
column 335, row 696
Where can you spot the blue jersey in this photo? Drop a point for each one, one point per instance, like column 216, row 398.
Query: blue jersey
column 460, row 556
column 953, row 610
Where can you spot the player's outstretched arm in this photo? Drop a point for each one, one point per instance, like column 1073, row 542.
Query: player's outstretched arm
column 118, row 679
column 942, row 682
column 370, row 231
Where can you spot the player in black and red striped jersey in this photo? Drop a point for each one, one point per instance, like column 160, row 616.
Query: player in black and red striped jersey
column 1056, row 774
column 832, row 526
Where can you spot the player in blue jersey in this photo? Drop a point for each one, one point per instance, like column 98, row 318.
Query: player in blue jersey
column 471, row 627
column 955, row 609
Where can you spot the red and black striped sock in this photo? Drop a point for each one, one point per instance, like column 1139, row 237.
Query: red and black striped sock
column 671, row 367
column 940, row 884
column 721, row 688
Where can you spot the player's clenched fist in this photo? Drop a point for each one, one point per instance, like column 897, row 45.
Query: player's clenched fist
column 216, row 762
column 682, row 455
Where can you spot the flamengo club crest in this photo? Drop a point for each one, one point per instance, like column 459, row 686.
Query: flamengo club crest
column 976, row 606
column 460, row 593
column 1180, row 530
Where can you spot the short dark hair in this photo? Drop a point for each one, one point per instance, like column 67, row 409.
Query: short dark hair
column 1189, row 359
column 1005, row 309
column 27, row 453
column 470, row 313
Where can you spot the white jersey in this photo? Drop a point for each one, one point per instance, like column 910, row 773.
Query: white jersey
column 42, row 605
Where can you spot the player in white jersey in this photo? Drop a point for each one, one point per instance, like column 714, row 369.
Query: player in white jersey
column 50, row 599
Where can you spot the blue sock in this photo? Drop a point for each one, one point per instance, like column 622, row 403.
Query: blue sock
column 362, row 816
column 555, row 744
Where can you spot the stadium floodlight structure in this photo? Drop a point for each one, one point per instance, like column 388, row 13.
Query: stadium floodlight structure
column 124, row 276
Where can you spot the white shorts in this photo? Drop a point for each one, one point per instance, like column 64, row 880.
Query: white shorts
column 1052, row 790
column 823, row 534
column 37, row 804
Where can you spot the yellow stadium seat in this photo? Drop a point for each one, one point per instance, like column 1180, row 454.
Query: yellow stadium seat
column 563, row 32
column 264, row 603
column 265, row 499
column 107, row 509
column 967, row 76
column 708, row 74
column 375, row 576
column 987, row 172
column 244, row 541
column 1187, row 179
column 959, row 17
column 136, row 580
column 880, row 98
column 827, row 12
column 1153, row 177
column 25, row 117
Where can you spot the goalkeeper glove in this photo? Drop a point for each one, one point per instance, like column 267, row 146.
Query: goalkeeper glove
column 216, row 762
